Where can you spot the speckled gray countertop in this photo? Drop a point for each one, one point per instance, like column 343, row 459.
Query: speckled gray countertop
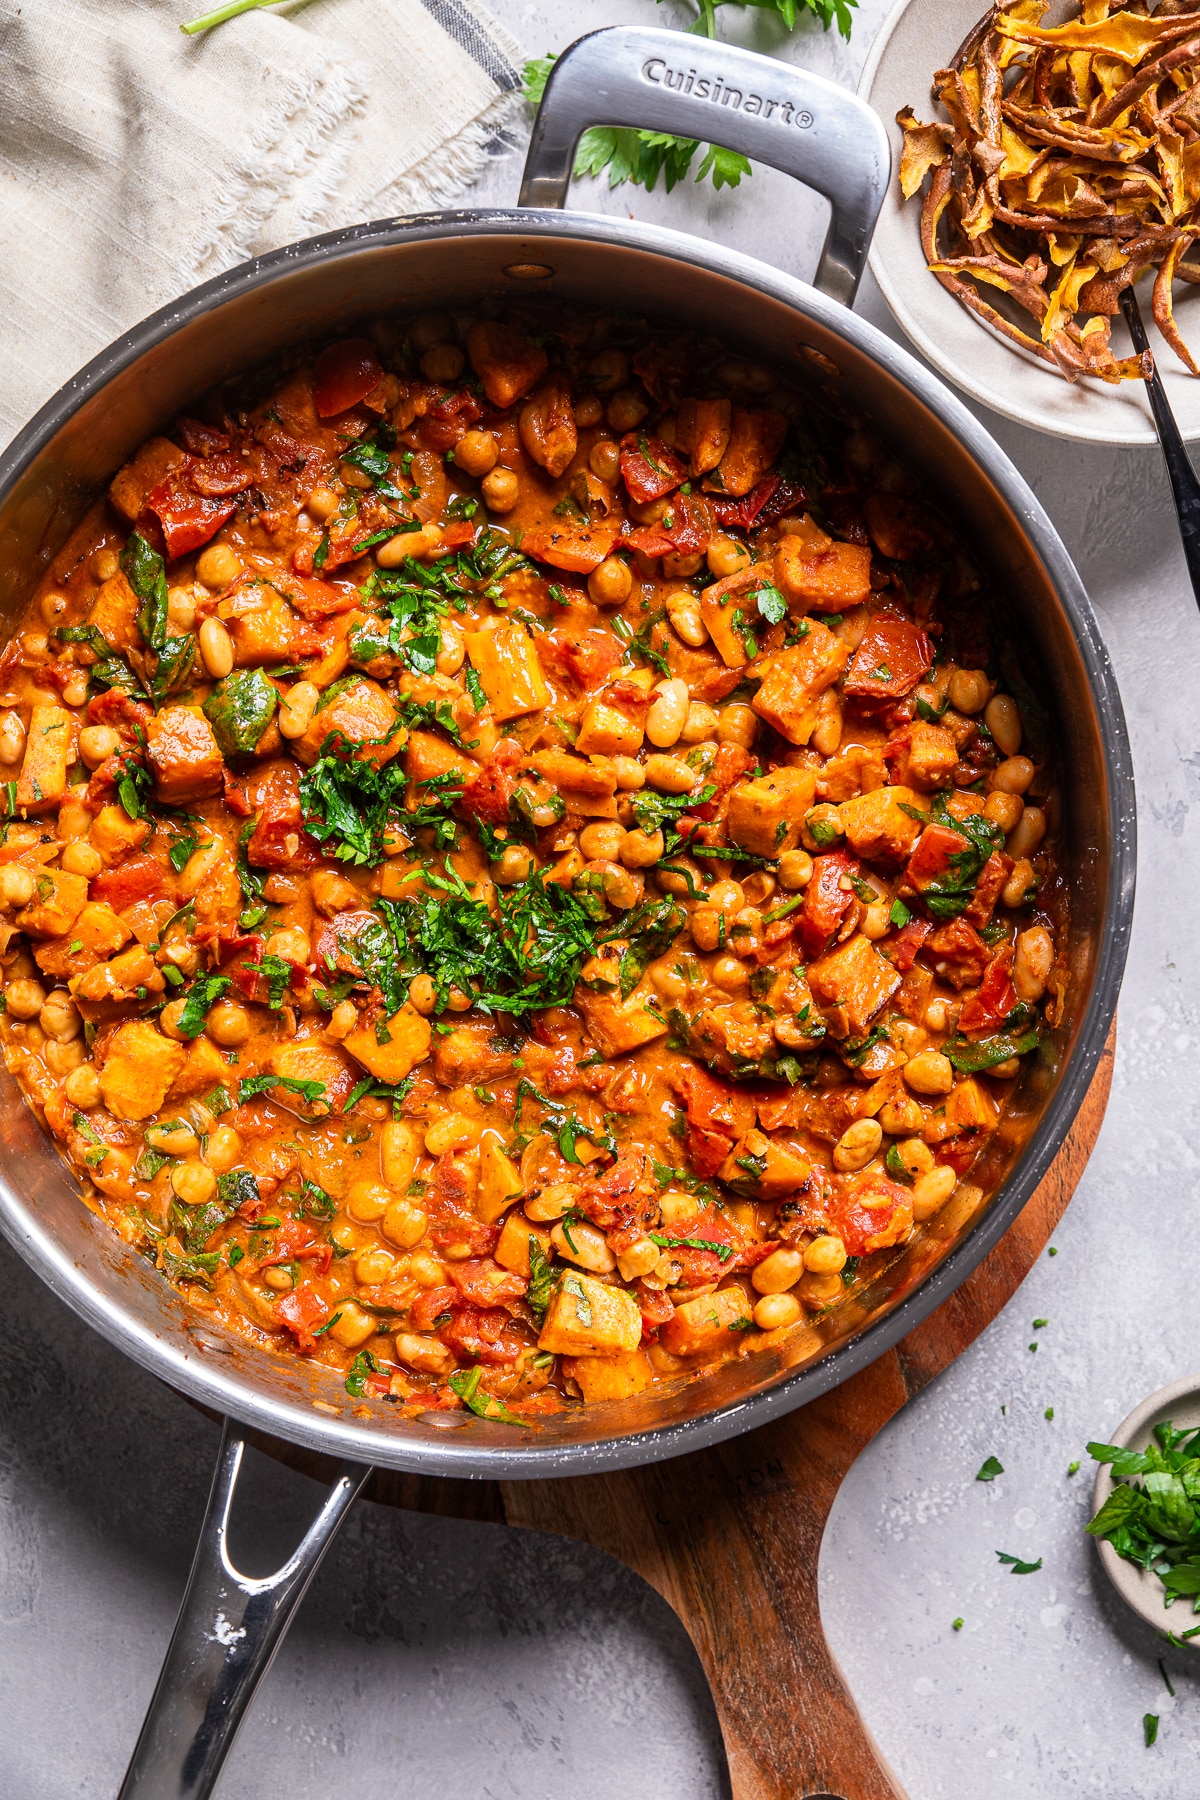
column 440, row 1659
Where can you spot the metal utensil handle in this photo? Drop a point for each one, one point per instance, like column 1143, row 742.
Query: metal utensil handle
column 1180, row 472
column 228, row 1630
column 695, row 88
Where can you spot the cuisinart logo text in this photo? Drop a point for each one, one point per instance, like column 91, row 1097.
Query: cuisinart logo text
column 721, row 93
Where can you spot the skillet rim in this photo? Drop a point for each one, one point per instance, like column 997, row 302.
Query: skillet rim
column 195, row 1376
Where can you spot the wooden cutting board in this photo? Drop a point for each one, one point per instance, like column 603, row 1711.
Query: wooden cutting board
column 731, row 1536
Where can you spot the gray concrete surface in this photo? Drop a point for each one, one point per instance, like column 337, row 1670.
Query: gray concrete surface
column 463, row 1662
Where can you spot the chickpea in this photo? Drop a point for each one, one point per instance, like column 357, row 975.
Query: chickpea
column 1027, row 834
column 296, row 708
column 589, row 410
column 397, row 1154
column 776, row 1273
column 601, row 840
column 727, row 556
column 291, row 943
column 626, row 410
column 1003, row 810
column 81, row 859
column 876, row 921
column 641, row 1256
column 701, row 723
column 929, row 1072
column 321, row 504
column 1002, row 717
column 12, row 738
column 52, row 608
column 62, row 1056
column 228, row 1024
column 422, row 994
column 59, row 1017
column 916, row 1156
column 1032, row 963
column 476, row 452
column 501, row 490
column 968, row 690
column 181, row 609
column 217, row 566
column 774, row 1312
column 23, row 998
column 368, row 1200
column 611, row 582
column 281, row 1281
column 97, row 743
column 795, row 870
column 332, row 893
column 422, row 545
column 937, row 1016
column 1020, row 884
column 732, row 975
column 630, row 775
column 16, row 885
column 825, row 1256
column 683, row 610
column 930, row 1192
column 194, row 1183
column 584, row 1245
column 453, row 1131
column 706, row 925
column 82, row 1086
column 668, row 713
column 513, row 866
column 728, row 897
column 442, row 363
column 857, row 1145
column 901, row 1115
column 641, row 848
column 1012, row 776
column 75, row 692
column 105, row 564
column 670, row 774
column 373, row 1267
column 216, row 649
column 404, row 1224
column 224, row 1149
column 604, row 459
column 342, row 1021
column 170, row 1021
column 609, row 370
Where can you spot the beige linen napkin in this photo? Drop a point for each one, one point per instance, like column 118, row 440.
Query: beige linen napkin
column 135, row 161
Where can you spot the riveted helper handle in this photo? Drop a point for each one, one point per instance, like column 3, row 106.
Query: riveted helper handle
column 229, row 1628
column 697, row 88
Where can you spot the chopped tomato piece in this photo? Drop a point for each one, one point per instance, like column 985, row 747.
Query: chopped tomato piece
column 717, row 1116
column 201, row 439
column 826, row 901
column 890, row 660
column 485, row 1334
column 301, row 1311
column 587, row 658
column 649, row 468
column 187, row 519
column 220, row 476
column 988, row 888
column 576, row 548
column 870, row 1212
column 988, row 1009
column 137, row 878
column 959, row 953
column 484, row 1283
column 933, row 858
column 344, row 374
column 488, row 794
column 901, row 950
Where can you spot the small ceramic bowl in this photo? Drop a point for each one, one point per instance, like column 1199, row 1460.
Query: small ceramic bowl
column 917, row 38
column 1180, row 1403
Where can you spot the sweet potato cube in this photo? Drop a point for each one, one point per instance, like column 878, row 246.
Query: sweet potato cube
column 266, row 634
column 785, row 1171
column 586, row 787
column 115, row 835
column 140, row 1068
column 49, row 753
column 611, row 1377
column 99, row 929
column 512, row 1248
column 310, row 1060
column 616, row 1025
column 795, row 679
column 970, row 1108
column 358, row 710
column 120, row 978
column 184, row 756
column 877, row 826
column 706, row 1327
column 856, row 977
column 427, row 756
column 702, row 433
column 114, row 613
column 729, row 612
column 576, row 549
column 587, row 1318
column 506, row 361
column 204, row 1070
column 499, row 1180
column 509, row 672
column 765, row 816
column 152, row 464
column 606, row 731
column 812, row 570
column 405, row 1043
column 755, row 440
column 58, row 900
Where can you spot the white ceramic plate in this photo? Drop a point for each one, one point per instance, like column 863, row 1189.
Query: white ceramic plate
column 918, row 37
column 1180, row 1404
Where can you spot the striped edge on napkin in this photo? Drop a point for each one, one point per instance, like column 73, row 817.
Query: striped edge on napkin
column 136, row 162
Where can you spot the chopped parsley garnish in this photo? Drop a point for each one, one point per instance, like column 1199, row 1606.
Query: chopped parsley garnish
column 991, row 1468
column 543, row 1279
column 465, row 1383
column 349, row 803
column 203, row 994
column 250, row 1085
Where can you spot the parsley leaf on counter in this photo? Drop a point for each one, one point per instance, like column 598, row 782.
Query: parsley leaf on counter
column 991, row 1468
column 1149, row 1728
column 1016, row 1566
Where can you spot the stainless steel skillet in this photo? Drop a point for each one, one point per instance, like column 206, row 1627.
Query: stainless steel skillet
column 229, row 1626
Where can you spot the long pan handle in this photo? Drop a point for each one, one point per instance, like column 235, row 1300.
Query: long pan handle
column 770, row 111
column 228, row 1630
column 1185, row 488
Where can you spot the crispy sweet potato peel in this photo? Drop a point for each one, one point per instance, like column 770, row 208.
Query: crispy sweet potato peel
column 1070, row 165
